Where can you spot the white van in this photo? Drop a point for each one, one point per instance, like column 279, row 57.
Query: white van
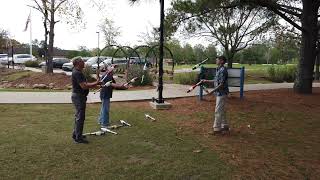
column 4, row 58
column 22, row 58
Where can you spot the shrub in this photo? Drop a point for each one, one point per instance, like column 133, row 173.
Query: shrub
column 283, row 73
column 186, row 78
column 31, row 63
column 137, row 71
column 87, row 71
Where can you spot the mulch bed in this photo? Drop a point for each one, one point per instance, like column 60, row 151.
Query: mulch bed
column 274, row 133
column 60, row 80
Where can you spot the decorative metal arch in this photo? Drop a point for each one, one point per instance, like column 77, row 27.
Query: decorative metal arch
column 132, row 50
column 148, row 52
column 118, row 48
column 171, row 54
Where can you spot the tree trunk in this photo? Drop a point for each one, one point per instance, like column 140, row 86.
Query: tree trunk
column 303, row 82
column 45, row 46
column 51, row 38
column 317, row 73
column 229, row 55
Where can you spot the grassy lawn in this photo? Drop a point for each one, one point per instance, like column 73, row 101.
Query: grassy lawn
column 254, row 73
column 190, row 78
column 31, row 90
column 16, row 75
column 36, row 143
column 247, row 66
column 274, row 135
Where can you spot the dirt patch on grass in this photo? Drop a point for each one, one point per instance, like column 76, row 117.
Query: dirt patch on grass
column 29, row 78
column 59, row 80
column 5, row 71
column 274, row 134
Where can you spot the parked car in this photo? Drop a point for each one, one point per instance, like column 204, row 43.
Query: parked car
column 57, row 62
column 4, row 59
column 94, row 60
column 136, row 60
column 116, row 61
column 69, row 66
column 101, row 65
column 3, row 55
column 22, row 58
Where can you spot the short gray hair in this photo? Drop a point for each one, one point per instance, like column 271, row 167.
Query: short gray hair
column 76, row 60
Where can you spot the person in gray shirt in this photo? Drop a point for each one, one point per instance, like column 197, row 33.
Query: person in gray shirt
column 80, row 90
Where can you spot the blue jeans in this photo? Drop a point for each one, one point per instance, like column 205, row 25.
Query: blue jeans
column 104, row 112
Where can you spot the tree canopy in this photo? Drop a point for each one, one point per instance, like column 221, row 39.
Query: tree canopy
column 233, row 28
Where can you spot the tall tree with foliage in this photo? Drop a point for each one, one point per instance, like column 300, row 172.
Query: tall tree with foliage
column 7, row 43
column 211, row 53
column 3, row 39
column 288, row 46
column 51, row 10
column 110, row 31
column 301, row 14
column 233, row 28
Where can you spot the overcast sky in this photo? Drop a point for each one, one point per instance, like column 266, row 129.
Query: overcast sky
column 132, row 20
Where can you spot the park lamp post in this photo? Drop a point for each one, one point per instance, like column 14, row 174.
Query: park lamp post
column 160, row 86
column 98, row 50
column 160, row 103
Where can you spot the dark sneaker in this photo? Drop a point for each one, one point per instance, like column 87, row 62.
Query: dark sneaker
column 82, row 141
column 83, row 136
column 225, row 128
column 214, row 132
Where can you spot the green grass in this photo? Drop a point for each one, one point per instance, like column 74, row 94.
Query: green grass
column 36, row 143
column 253, row 67
column 255, row 74
column 17, row 75
column 31, row 90
column 186, row 78
column 282, row 141
column 189, row 78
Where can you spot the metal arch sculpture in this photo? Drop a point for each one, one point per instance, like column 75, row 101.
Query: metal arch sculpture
column 148, row 52
column 171, row 54
column 128, row 52
column 118, row 47
column 128, row 56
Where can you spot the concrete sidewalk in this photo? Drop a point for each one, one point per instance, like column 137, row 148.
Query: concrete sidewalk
column 170, row 91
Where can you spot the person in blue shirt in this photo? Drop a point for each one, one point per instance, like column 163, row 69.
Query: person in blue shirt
column 221, row 91
column 106, row 95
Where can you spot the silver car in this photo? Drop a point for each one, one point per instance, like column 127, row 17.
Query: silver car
column 69, row 66
column 102, row 64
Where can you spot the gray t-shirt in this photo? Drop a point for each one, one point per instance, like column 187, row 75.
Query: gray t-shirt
column 77, row 78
